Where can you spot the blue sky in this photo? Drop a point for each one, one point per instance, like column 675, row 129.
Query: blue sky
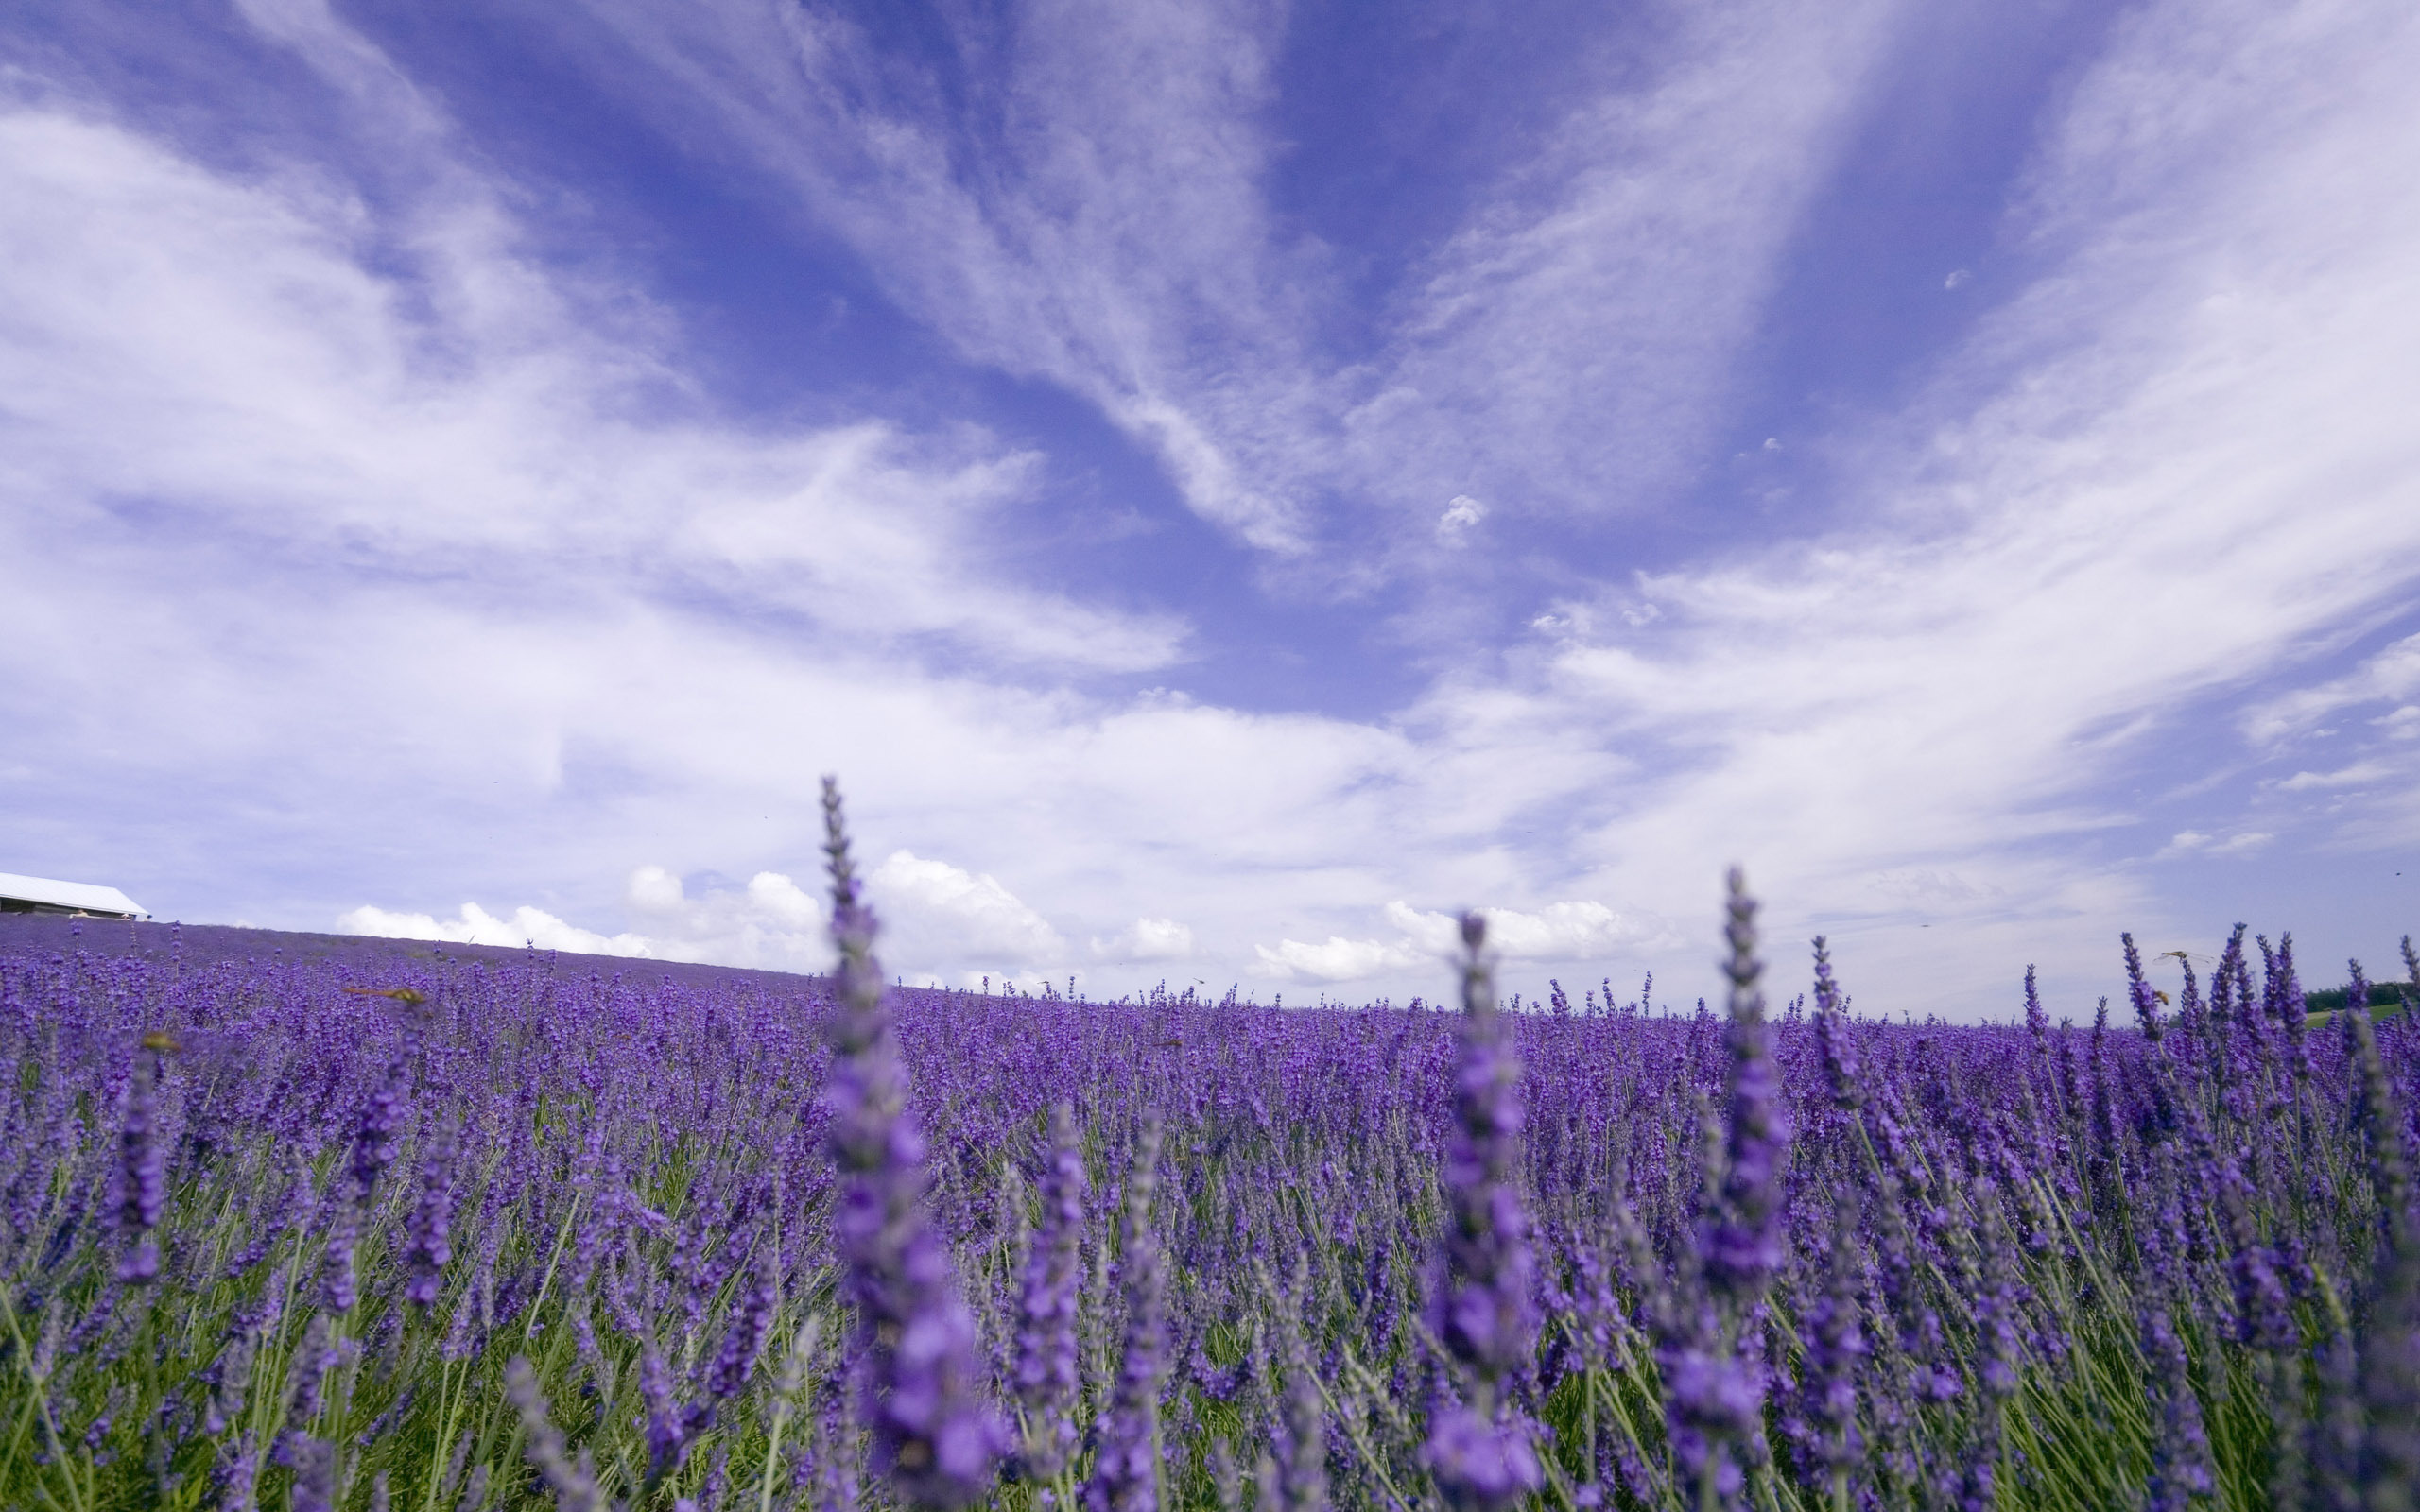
column 1225, row 485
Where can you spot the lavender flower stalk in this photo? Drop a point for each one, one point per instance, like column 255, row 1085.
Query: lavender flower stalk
column 373, row 1150
column 2181, row 1467
column 428, row 1238
column 934, row 1438
column 1046, row 1356
column 1483, row 1313
column 744, row 1343
column 143, row 1166
column 1743, row 1246
column 1126, row 1475
column 1825, row 1421
column 1832, row 1033
column 1714, row 1393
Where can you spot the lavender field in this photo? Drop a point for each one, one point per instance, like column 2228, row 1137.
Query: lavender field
column 365, row 1227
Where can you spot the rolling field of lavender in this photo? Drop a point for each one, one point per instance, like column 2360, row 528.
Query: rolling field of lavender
column 361, row 1228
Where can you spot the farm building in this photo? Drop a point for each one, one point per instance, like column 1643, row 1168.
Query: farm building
column 40, row 895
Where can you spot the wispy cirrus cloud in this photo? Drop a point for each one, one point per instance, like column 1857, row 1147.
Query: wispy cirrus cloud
column 1080, row 192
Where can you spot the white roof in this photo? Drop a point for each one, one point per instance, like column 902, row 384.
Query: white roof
column 90, row 896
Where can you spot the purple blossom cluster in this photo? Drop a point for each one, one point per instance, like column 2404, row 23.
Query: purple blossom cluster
column 287, row 1221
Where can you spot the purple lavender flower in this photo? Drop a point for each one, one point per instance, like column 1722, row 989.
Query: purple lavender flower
column 338, row 1288
column 373, row 1139
column 230, row 1376
column 744, row 1343
column 1045, row 1344
column 934, row 1438
column 1742, row 1246
column 1125, row 1471
column 1479, row 1462
column 427, row 1233
column 2181, row 1465
column 2263, row 1318
column 236, row 1474
column 1999, row 1354
column 318, row 1354
column 314, row 1463
column 1832, row 1034
column 1484, row 1311
column 668, row 1431
column 2138, row 989
column 1713, row 1383
column 1834, row 1332
column 142, row 1165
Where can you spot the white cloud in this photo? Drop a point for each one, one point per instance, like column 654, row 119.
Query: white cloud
column 771, row 923
column 947, row 916
column 2192, row 842
column 2391, row 673
column 1106, row 226
column 1341, row 960
column 1426, row 942
column 230, row 348
column 1460, row 518
column 476, row 926
column 2353, row 776
column 1146, row 939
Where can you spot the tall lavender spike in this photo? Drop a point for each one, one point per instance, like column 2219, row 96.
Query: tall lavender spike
column 314, row 1462
column 144, row 1166
column 236, row 1472
column 1825, row 1421
column 1480, row 1455
column 1126, row 1475
column 1714, row 1390
column 2181, row 1466
column 1832, row 1034
column 427, row 1243
column 382, row 1118
column 2138, row 989
column 1046, row 1358
column 933, row 1438
column 746, row 1340
column 1742, row 1247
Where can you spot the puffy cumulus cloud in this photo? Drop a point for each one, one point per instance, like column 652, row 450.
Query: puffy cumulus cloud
column 939, row 917
column 1339, row 959
column 771, row 923
column 476, row 926
column 1144, row 940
